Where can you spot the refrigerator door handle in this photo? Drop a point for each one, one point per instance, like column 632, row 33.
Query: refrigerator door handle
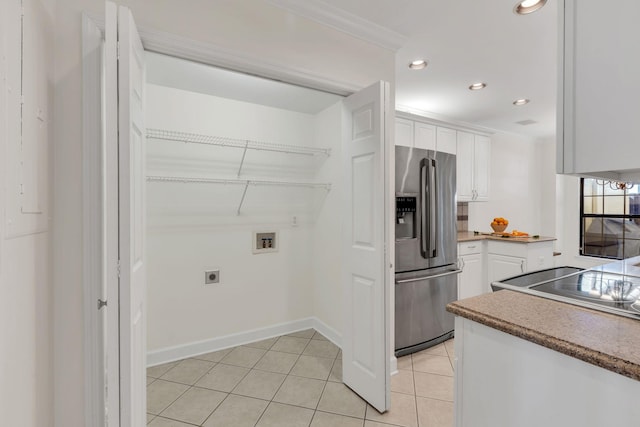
column 433, row 208
column 423, row 208
column 420, row 279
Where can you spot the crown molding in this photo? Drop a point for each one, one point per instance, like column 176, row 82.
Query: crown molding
column 440, row 120
column 341, row 20
column 219, row 56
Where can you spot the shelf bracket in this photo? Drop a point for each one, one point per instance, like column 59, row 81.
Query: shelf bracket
column 244, row 153
column 244, row 193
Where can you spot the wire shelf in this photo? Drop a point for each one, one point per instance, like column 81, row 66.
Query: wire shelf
column 253, row 182
column 242, row 182
column 245, row 144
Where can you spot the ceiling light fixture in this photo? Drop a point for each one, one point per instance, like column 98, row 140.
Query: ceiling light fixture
column 528, row 6
column 521, row 101
column 418, row 64
column 477, row 86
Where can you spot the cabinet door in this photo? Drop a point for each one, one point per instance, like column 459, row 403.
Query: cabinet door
column 424, row 136
column 464, row 167
column 404, row 132
column 503, row 266
column 600, row 89
column 446, row 140
column 470, row 281
column 481, row 167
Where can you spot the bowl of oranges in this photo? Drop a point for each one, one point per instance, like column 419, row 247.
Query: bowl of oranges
column 499, row 224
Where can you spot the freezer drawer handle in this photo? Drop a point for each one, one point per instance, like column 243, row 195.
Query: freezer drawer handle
column 418, row 279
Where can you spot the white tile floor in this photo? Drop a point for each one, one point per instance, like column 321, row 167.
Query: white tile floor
column 295, row 380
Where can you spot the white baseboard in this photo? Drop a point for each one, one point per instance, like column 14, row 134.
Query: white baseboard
column 326, row 330
column 170, row 354
column 394, row 365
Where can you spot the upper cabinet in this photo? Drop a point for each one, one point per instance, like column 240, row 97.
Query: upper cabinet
column 473, row 160
column 598, row 126
column 415, row 134
column 446, row 141
column 472, row 151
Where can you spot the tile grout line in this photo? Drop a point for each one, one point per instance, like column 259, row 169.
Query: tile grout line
column 192, row 386
column 415, row 391
column 274, row 395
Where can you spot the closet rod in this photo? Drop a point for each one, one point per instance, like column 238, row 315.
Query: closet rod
column 193, row 138
column 245, row 182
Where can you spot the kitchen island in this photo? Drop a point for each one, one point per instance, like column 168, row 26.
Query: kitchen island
column 525, row 361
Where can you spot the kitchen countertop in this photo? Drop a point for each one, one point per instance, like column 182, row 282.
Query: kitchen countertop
column 469, row 236
column 601, row 339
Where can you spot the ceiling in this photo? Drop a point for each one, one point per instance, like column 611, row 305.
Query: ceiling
column 468, row 41
column 192, row 76
column 464, row 41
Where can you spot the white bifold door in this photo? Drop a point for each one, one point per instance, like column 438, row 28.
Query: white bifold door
column 366, row 348
column 366, row 334
column 125, row 159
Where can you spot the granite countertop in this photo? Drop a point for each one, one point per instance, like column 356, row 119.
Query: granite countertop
column 468, row 236
column 601, row 339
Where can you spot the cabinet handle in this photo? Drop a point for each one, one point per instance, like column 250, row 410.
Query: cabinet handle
column 522, row 266
column 471, row 247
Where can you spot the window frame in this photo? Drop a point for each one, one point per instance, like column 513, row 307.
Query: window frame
column 603, row 216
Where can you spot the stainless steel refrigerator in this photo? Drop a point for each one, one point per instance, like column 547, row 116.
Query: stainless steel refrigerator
column 426, row 248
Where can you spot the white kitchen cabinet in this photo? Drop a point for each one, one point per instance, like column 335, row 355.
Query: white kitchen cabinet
column 472, row 280
column 508, row 259
column 473, row 161
column 404, row 132
column 415, row 134
column 503, row 266
column 424, row 136
column 512, row 371
column 598, row 112
column 446, row 140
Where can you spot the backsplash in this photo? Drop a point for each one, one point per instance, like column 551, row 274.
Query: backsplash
column 463, row 216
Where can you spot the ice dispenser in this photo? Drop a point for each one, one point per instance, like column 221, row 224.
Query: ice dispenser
column 406, row 216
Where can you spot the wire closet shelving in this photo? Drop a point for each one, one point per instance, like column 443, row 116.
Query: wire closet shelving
column 192, row 138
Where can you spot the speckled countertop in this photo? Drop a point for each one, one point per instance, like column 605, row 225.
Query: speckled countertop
column 468, row 236
column 601, row 339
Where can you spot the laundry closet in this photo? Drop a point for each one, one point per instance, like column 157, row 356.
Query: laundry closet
column 244, row 187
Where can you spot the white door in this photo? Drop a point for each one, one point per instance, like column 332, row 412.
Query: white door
column 470, row 279
column 481, row 161
column 503, row 266
column 465, row 165
column 128, row 137
column 366, row 337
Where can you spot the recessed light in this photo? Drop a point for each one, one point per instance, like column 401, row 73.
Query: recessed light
column 521, row 101
column 528, row 6
column 477, row 86
column 418, row 64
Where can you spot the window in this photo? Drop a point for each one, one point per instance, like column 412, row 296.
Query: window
column 609, row 219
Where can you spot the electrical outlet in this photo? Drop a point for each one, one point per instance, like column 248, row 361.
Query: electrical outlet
column 211, row 276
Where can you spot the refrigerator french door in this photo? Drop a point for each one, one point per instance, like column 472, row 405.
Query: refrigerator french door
column 426, row 248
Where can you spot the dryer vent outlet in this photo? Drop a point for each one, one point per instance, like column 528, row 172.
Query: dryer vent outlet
column 211, row 276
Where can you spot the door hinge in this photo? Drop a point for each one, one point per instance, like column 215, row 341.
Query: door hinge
column 118, row 50
column 101, row 304
column 118, row 269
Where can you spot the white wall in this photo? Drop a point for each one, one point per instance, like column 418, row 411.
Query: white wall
column 515, row 186
column 327, row 233
column 251, row 28
column 546, row 159
column 194, row 227
column 26, row 355
column 569, row 229
column 526, row 190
